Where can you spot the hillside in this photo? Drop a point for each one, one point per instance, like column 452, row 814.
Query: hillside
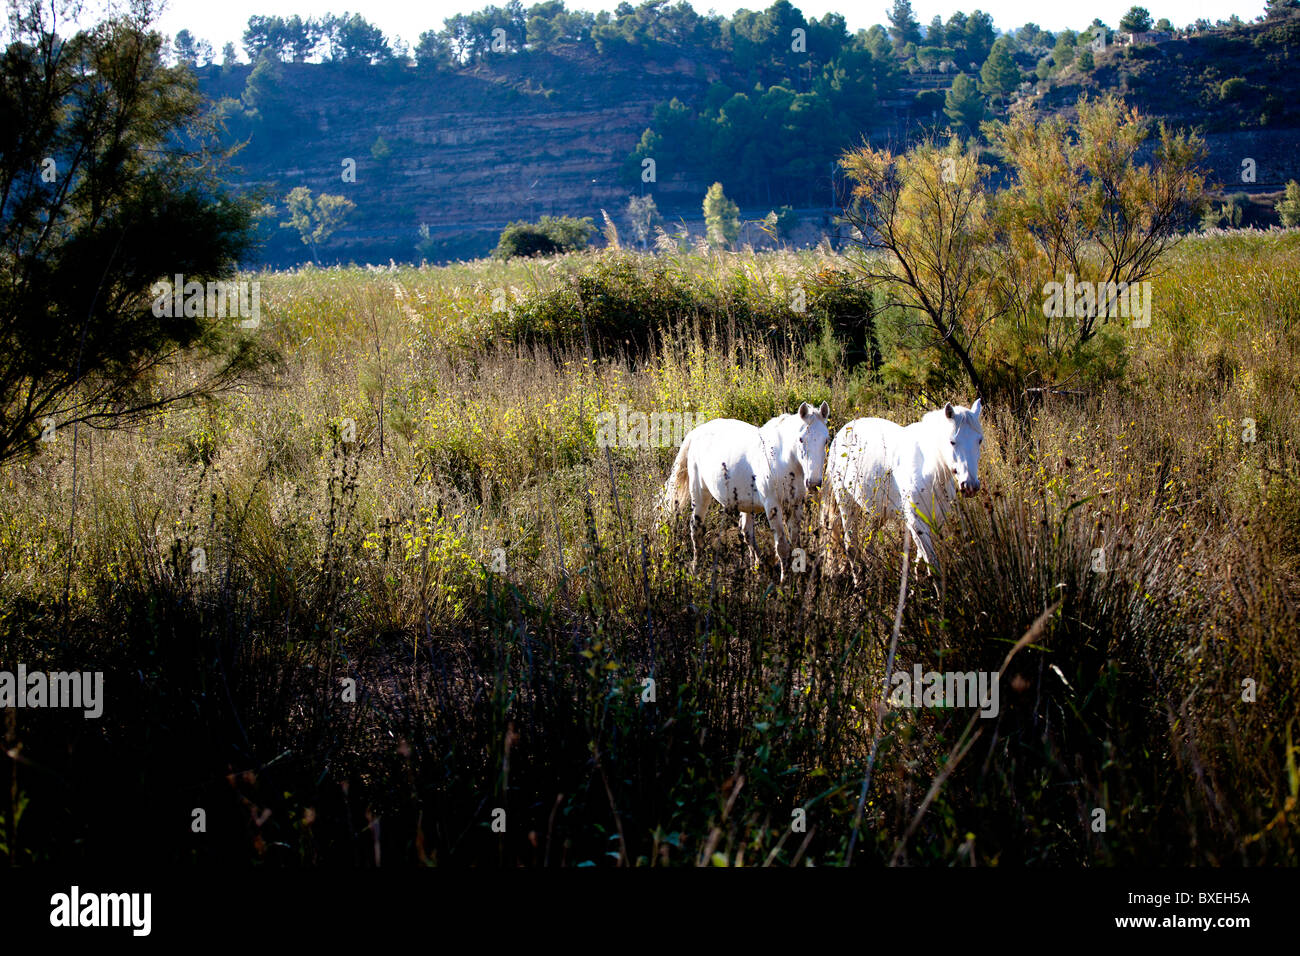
column 470, row 151
column 446, row 155
column 1237, row 87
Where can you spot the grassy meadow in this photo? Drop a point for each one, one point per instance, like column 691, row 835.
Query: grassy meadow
column 355, row 610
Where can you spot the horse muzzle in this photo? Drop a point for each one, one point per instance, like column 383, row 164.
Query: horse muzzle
column 811, row 485
column 970, row 488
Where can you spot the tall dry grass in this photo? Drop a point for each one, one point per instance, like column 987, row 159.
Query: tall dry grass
column 500, row 591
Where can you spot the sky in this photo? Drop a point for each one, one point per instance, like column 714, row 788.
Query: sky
column 225, row 20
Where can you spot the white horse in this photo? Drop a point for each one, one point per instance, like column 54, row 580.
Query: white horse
column 752, row 470
column 887, row 470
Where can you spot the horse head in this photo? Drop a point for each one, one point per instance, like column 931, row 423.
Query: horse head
column 814, row 436
column 962, row 453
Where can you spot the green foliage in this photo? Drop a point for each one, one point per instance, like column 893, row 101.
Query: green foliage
column 1233, row 88
column 1137, row 20
column 352, row 39
column 1288, row 207
column 963, row 104
column 974, row 264
column 1000, row 75
column 846, row 310
column 349, row 39
column 549, row 236
column 315, row 219
column 721, row 217
column 625, row 302
column 1063, row 52
column 768, row 138
column 929, row 102
column 263, row 90
column 108, row 188
column 187, row 49
column 282, row 38
column 1228, row 214
column 773, row 142
column 903, row 25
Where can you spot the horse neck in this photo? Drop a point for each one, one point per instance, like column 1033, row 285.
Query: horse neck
column 780, row 441
column 937, row 471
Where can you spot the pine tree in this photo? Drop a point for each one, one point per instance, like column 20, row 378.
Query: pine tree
column 1137, row 20
column 963, row 105
column 1000, row 75
column 120, row 200
column 903, row 25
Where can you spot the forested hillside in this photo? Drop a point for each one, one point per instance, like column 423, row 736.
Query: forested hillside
column 512, row 113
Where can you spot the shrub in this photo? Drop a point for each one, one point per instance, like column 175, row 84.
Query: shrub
column 627, row 302
column 721, row 217
column 549, row 236
column 1288, row 207
column 1233, row 88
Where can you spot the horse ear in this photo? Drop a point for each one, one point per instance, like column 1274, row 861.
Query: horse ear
column 977, row 407
column 825, row 410
column 947, row 410
column 803, row 411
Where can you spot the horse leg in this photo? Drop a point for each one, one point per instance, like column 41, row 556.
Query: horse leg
column 699, row 504
column 780, row 538
column 795, row 528
column 846, row 504
column 920, row 532
column 747, row 525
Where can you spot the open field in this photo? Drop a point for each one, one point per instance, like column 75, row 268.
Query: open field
column 415, row 501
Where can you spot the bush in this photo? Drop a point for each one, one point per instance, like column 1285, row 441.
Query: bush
column 549, row 236
column 1229, row 215
column 927, row 103
column 1288, row 207
column 838, row 299
column 626, row 301
column 1233, row 88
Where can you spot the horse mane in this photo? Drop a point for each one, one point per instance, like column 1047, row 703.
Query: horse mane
column 960, row 415
column 932, row 419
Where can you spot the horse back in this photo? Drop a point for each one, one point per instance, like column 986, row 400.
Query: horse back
column 724, row 433
column 867, row 443
column 861, row 461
